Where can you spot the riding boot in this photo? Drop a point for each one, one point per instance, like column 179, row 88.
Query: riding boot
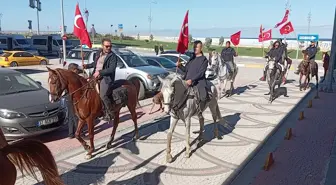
column 108, row 109
column 263, row 78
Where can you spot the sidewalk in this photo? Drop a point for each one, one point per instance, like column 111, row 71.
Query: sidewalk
column 304, row 159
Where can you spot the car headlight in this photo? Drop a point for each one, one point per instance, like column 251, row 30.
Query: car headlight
column 8, row 114
column 63, row 103
column 151, row 77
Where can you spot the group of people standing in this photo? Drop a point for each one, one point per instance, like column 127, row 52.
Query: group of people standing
column 158, row 48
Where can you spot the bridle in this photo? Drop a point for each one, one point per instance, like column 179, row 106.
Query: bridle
column 63, row 87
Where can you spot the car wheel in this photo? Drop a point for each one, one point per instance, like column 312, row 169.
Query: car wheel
column 14, row 64
column 141, row 95
column 43, row 62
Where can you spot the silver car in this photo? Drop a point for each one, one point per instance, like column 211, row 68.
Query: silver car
column 25, row 109
column 130, row 66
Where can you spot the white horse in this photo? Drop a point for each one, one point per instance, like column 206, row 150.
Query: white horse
column 223, row 75
column 190, row 108
column 273, row 76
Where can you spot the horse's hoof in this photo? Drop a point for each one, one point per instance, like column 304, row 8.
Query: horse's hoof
column 108, row 146
column 169, row 158
column 87, row 147
column 88, row 156
column 187, row 155
column 267, row 94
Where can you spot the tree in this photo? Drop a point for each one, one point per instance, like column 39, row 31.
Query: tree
column 221, row 41
column 208, row 42
column 151, row 37
column 190, row 38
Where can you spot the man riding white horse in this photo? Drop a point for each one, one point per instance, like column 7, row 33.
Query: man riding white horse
column 228, row 53
column 195, row 72
column 278, row 53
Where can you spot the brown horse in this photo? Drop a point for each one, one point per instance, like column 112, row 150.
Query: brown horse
column 308, row 68
column 27, row 155
column 87, row 103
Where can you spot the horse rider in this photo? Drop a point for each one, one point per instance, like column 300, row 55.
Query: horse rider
column 311, row 51
column 276, row 52
column 195, row 73
column 105, row 65
column 228, row 53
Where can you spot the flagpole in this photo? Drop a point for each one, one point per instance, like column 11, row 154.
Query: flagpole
column 81, row 50
column 63, row 32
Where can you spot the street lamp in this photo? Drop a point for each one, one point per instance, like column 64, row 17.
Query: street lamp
column 150, row 17
column 309, row 20
column 63, row 31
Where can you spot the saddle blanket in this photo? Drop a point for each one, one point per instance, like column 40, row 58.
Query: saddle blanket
column 118, row 95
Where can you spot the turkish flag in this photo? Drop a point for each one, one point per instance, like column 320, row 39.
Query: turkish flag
column 80, row 28
column 286, row 29
column 284, row 19
column 235, row 38
column 265, row 36
column 183, row 42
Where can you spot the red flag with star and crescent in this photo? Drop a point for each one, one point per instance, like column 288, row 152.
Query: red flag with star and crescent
column 183, row 42
column 235, row 38
column 265, row 36
column 286, row 29
column 284, row 19
column 80, row 30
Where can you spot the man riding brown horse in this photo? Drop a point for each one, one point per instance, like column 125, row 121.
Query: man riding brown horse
column 104, row 70
column 311, row 52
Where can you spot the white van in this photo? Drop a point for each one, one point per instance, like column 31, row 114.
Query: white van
column 49, row 44
column 8, row 43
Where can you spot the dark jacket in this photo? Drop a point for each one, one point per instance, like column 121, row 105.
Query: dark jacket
column 161, row 49
column 311, row 52
column 156, row 48
column 228, row 54
column 109, row 66
column 195, row 71
column 276, row 53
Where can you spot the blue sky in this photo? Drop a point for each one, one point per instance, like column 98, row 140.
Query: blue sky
column 168, row 15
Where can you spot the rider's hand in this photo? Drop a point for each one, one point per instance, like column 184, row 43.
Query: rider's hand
column 178, row 64
column 96, row 74
column 189, row 82
column 84, row 66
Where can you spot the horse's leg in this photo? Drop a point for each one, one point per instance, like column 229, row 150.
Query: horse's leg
column 300, row 84
column 114, row 129
column 201, row 121
column 91, row 136
column 214, row 112
column 219, row 88
column 150, row 112
column 78, row 134
column 187, row 137
column 173, row 123
column 224, row 88
column 135, row 121
column 308, row 81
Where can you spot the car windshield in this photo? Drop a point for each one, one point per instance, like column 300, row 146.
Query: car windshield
column 166, row 63
column 76, row 54
column 60, row 42
column 22, row 41
column 134, row 60
column 12, row 83
column 6, row 54
column 185, row 57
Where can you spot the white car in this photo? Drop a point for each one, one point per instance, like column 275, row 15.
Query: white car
column 209, row 74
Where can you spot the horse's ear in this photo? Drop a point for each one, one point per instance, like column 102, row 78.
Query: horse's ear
column 161, row 80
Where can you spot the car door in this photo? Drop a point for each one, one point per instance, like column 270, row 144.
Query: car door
column 19, row 59
column 121, row 70
column 30, row 59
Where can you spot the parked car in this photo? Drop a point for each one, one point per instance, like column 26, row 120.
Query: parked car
column 49, row 44
column 188, row 53
column 163, row 63
column 21, row 58
column 25, row 109
column 209, row 74
column 130, row 66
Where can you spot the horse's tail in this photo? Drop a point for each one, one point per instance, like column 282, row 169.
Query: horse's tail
column 136, row 83
column 28, row 154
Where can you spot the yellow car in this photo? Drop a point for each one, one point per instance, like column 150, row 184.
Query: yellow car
column 21, row 58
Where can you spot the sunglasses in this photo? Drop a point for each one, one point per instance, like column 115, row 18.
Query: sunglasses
column 107, row 46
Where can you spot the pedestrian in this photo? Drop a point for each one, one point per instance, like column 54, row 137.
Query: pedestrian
column 161, row 49
column 72, row 118
column 325, row 59
column 156, row 49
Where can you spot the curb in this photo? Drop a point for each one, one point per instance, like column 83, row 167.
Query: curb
column 253, row 163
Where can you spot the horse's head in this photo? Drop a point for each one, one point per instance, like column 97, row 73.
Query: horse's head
column 57, row 84
column 167, row 90
column 214, row 58
column 271, row 63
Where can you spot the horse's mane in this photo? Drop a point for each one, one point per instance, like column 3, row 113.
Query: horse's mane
column 30, row 154
column 80, row 79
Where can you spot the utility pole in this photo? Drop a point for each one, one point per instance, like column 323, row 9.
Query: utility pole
column 309, row 20
column 0, row 21
column 38, row 9
column 111, row 31
column 63, row 31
